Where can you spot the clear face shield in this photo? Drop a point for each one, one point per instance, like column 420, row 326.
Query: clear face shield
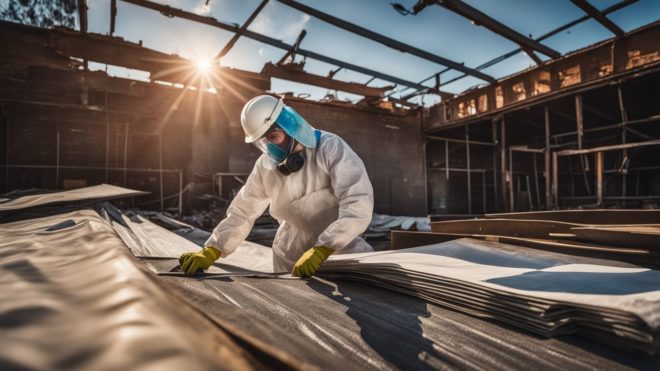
column 275, row 143
column 280, row 140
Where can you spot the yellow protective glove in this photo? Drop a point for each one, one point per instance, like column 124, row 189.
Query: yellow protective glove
column 311, row 260
column 192, row 261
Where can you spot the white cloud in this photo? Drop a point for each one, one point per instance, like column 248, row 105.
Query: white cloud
column 202, row 8
column 276, row 23
column 197, row 6
column 293, row 30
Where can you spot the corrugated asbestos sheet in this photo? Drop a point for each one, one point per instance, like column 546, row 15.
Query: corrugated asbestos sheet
column 341, row 324
column 71, row 277
column 73, row 298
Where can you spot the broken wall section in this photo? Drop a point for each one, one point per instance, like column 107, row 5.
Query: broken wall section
column 636, row 49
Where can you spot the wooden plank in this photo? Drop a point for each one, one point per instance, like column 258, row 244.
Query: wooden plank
column 603, row 216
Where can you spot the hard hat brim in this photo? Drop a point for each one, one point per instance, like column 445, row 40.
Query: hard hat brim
column 250, row 138
column 257, row 135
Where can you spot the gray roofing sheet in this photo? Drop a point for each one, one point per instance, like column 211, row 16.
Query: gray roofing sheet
column 325, row 323
column 356, row 326
column 73, row 298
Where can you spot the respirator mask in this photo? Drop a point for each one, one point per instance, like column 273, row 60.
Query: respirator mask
column 288, row 162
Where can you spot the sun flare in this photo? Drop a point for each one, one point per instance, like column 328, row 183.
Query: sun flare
column 203, row 65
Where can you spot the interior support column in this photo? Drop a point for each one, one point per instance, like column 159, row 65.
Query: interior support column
column 579, row 119
column 496, row 195
column 555, row 182
column 624, row 161
column 469, row 177
column 599, row 178
column 503, row 174
column 546, row 156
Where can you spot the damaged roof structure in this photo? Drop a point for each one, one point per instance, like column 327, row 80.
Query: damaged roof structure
column 137, row 121
column 513, row 158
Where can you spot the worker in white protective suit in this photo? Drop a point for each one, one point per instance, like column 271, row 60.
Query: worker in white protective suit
column 316, row 186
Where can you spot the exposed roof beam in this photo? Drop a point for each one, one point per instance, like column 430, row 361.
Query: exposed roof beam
column 241, row 30
column 606, row 11
column 292, row 52
column 557, row 30
column 435, row 76
column 282, row 72
column 499, row 28
column 173, row 12
column 386, row 40
column 597, row 15
column 48, row 49
column 611, row 9
column 336, row 62
column 401, row 102
column 113, row 15
column 82, row 15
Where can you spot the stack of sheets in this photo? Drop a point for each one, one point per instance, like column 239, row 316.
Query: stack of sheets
column 547, row 293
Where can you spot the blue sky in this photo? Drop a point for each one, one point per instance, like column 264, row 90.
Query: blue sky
column 436, row 30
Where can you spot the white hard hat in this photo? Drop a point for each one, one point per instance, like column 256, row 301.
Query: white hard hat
column 259, row 115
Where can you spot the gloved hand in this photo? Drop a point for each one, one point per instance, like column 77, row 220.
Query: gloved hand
column 311, row 260
column 192, row 261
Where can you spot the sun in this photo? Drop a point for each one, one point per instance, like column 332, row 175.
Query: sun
column 203, row 65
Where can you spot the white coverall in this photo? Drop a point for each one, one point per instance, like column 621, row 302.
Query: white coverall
column 329, row 202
